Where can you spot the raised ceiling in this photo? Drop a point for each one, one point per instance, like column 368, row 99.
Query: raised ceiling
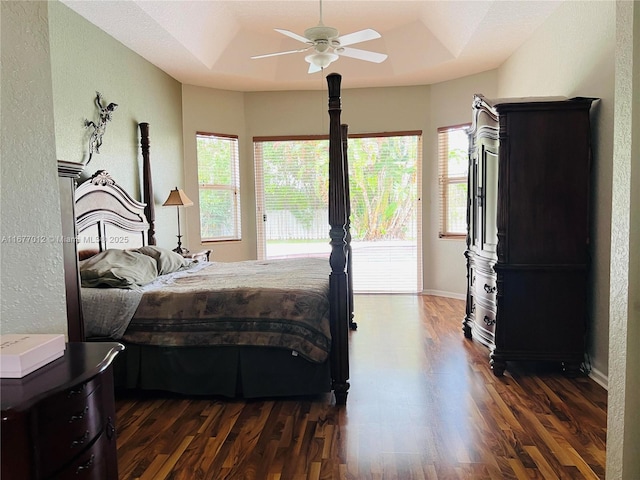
column 209, row 43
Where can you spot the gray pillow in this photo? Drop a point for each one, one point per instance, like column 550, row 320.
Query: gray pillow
column 118, row 268
column 167, row 260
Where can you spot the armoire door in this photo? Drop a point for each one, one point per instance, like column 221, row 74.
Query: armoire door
column 487, row 195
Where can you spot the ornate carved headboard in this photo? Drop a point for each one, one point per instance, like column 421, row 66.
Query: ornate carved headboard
column 107, row 216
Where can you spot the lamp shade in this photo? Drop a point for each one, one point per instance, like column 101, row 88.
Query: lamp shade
column 177, row 198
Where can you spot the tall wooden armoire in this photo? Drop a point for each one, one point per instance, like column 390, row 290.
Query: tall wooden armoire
column 528, row 229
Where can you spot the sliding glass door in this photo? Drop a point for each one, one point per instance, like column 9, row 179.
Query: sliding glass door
column 384, row 171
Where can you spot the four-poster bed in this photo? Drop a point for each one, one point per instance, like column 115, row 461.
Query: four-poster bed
column 110, row 219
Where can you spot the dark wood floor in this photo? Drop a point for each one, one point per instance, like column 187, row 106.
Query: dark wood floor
column 423, row 404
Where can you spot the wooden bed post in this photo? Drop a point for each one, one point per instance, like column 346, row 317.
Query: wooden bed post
column 344, row 133
column 68, row 173
column 147, row 188
column 338, row 282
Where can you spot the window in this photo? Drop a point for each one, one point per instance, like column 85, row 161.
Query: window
column 384, row 178
column 291, row 193
column 218, row 186
column 453, row 168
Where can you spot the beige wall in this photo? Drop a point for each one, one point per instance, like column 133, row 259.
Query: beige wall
column 217, row 111
column 445, row 265
column 305, row 113
column 84, row 60
column 53, row 61
column 623, row 448
column 33, row 298
column 579, row 61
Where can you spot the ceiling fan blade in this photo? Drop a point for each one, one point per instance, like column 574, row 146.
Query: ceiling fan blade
column 295, row 36
column 280, row 53
column 357, row 37
column 362, row 54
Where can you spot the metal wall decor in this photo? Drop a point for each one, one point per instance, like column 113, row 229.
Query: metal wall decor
column 104, row 113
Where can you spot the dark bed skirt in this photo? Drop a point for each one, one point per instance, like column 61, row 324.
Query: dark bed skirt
column 246, row 372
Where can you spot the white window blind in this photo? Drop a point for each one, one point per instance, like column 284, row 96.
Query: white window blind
column 219, row 186
column 292, row 192
column 453, row 168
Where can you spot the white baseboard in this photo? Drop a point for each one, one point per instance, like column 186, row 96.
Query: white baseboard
column 600, row 378
column 440, row 293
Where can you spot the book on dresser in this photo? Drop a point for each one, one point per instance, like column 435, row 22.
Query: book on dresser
column 23, row 353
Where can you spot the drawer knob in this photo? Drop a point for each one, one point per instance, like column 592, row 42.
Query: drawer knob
column 489, row 321
column 489, row 289
column 76, row 391
column 111, row 430
column 86, row 465
column 79, row 416
column 80, row 441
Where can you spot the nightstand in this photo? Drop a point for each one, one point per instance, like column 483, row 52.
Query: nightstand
column 201, row 256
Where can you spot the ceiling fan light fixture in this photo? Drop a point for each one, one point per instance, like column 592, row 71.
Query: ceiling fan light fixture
column 328, row 46
column 321, row 59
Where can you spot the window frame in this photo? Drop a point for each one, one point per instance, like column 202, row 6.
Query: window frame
column 445, row 180
column 233, row 186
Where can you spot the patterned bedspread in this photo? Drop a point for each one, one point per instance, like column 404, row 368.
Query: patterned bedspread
column 279, row 303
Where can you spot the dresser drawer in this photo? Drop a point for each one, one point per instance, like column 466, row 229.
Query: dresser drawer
column 485, row 317
column 92, row 464
column 66, row 424
column 484, row 323
column 485, row 286
column 69, row 399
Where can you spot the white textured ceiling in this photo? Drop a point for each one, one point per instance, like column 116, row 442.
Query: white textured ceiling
column 209, row 43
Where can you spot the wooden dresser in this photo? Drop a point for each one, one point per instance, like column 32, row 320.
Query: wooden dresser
column 528, row 229
column 59, row 421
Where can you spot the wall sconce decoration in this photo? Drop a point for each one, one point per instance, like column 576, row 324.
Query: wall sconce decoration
column 99, row 128
column 178, row 198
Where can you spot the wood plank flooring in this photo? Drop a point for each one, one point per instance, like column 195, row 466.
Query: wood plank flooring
column 423, row 404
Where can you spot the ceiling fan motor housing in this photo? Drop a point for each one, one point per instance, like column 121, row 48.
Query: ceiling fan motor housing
column 321, row 32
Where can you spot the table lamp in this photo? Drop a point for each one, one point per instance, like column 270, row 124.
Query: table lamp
column 178, row 198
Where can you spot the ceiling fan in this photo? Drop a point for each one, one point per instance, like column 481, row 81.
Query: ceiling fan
column 328, row 46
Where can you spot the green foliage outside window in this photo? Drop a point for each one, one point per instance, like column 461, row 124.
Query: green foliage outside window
column 382, row 176
column 382, row 173
column 218, row 186
column 296, row 177
column 454, row 165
